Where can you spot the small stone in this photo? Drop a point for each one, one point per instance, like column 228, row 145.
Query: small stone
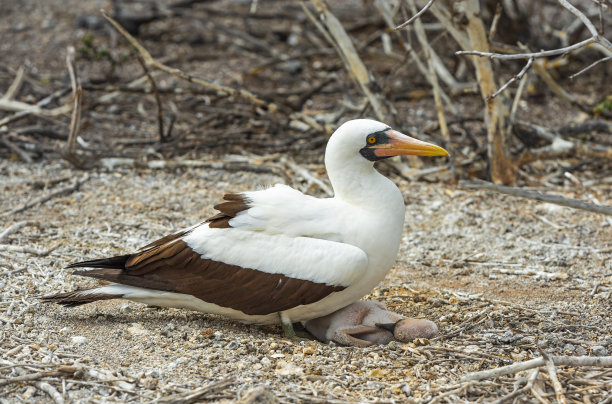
column 154, row 374
column 207, row 333
column 599, row 350
column 309, row 350
column 136, row 329
column 78, row 340
column 284, row 368
column 265, row 361
column 259, row 395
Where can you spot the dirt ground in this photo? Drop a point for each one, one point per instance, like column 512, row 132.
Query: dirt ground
column 502, row 277
column 505, row 279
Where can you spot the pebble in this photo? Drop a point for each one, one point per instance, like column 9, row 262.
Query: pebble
column 599, row 350
column 78, row 340
column 136, row 329
column 284, row 368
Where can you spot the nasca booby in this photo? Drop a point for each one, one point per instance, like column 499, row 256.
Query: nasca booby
column 276, row 253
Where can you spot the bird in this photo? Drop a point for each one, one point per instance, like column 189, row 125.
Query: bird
column 275, row 255
column 366, row 323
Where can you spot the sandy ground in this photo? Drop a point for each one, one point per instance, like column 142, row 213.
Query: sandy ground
column 505, row 279
column 502, row 277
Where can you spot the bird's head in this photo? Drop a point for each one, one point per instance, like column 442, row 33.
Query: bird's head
column 371, row 140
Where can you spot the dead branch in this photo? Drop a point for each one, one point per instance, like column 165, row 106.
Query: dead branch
column 596, row 125
column 530, row 55
column 353, row 63
column 310, row 178
column 59, row 192
column 151, row 62
column 51, row 391
column 193, row 395
column 519, row 76
column 530, row 380
column 585, row 20
column 554, row 379
column 589, row 67
column 538, row 196
column 501, row 170
column 586, row 192
column 422, row 37
column 415, row 16
column 15, row 227
column 595, row 38
column 27, row 109
column 77, row 93
column 15, row 85
column 541, row 70
column 62, row 370
column 158, row 102
column 558, row 146
column 14, row 148
column 384, row 8
column 574, row 361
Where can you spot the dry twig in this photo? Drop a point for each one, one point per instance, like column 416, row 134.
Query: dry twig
column 422, row 37
column 75, row 119
column 36, row 109
column 556, row 199
column 41, row 199
column 415, row 16
column 15, row 227
column 601, row 361
column 353, row 63
column 151, row 62
column 554, row 379
column 15, row 85
column 193, row 395
column 501, row 170
column 160, row 110
column 519, row 76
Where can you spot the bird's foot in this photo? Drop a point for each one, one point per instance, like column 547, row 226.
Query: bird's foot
column 289, row 331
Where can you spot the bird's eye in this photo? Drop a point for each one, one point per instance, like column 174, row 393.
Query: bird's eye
column 371, row 140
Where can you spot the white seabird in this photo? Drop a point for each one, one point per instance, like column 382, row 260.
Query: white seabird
column 276, row 253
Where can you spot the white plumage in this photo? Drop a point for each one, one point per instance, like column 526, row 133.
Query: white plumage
column 271, row 249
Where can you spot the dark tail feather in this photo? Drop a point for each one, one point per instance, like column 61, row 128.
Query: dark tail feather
column 117, row 262
column 77, row 298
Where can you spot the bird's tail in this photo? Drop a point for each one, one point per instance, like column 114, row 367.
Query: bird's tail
column 117, row 262
column 84, row 296
column 79, row 297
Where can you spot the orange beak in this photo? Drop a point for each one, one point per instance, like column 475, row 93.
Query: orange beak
column 402, row 145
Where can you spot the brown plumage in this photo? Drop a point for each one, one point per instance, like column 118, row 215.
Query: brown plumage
column 75, row 298
column 250, row 291
column 228, row 209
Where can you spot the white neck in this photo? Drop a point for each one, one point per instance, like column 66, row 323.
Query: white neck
column 356, row 181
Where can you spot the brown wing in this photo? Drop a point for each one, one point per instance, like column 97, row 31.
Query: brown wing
column 175, row 267
column 232, row 205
